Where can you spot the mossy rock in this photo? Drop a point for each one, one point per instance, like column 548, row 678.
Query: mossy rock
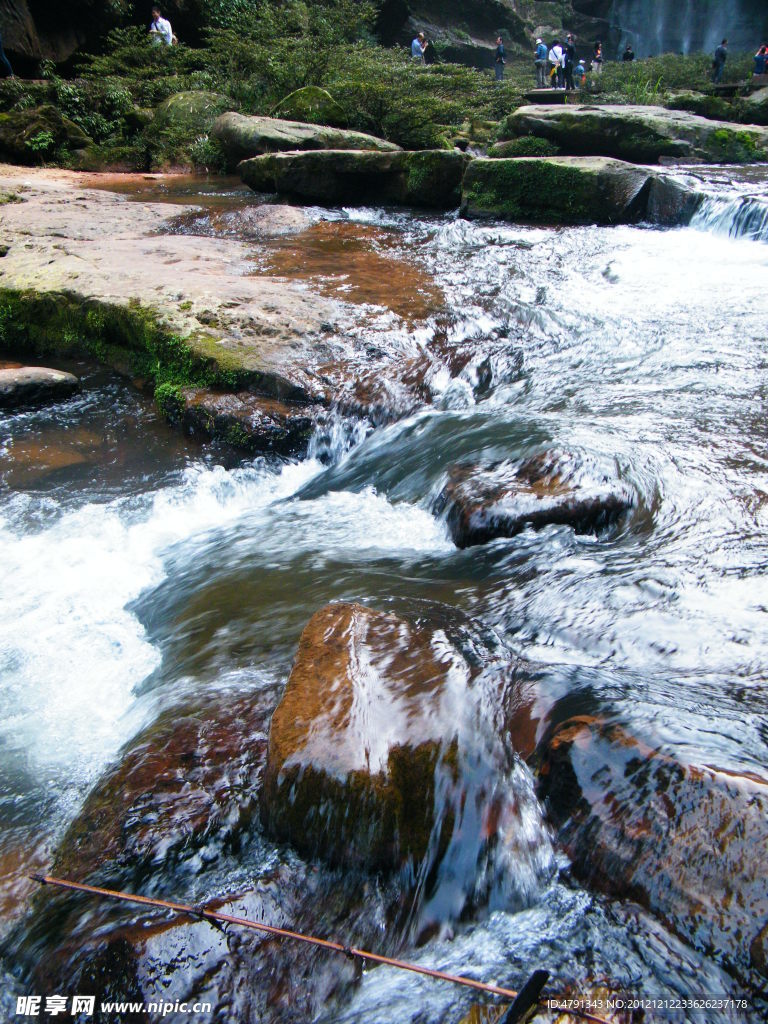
column 716, row 108
column 526, row 145
column 312, row 105
column 39, row 134
column 192, row 111
column 428, row 178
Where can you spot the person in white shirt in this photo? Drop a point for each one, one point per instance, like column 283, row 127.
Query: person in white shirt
column 160, row 30
column 556, row 73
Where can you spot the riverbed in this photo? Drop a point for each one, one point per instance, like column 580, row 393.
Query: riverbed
column 144, row 573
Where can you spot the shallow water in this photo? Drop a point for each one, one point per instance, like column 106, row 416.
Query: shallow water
column 140, row 571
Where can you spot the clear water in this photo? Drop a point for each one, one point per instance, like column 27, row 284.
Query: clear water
column 139, row 572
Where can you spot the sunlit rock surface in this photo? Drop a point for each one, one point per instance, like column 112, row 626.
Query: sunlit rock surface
column 35, row 385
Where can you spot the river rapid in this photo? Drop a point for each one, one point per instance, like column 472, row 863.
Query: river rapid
column 142, row 573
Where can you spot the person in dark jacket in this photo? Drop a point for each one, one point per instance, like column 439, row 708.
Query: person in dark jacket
column 501, row 59
column 569, row 62
column 540, row 63
column 721, row 55
column 761, row 60
column 4, row 62
column 629, row 54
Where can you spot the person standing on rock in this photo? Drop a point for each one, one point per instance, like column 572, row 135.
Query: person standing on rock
column 4, row 62
column 540, row 63
column 569, row 62
column 556, row 65
column 501, row 59
column 160, row 30
column 718, row 64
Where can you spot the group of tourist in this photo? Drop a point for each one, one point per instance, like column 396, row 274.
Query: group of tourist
column 557, row 66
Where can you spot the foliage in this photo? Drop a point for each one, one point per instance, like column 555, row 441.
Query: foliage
column 648, row 81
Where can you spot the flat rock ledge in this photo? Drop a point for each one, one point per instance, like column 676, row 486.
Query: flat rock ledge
column 242, row 136
column 430, row 178
column 573, row 190
column 483, row 504
column 35, row 386
column 641, row 134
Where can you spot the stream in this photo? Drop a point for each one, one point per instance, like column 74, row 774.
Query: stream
column 143, row 573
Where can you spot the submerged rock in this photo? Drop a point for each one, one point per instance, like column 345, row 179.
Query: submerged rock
column 244, row 420
column 35, row 385
column 429, row 178
column 243, row 137
column 572, row 190
column 251, row 223
column 689, row 843
column 30, row 136
column 642, row 134
column 481, row 504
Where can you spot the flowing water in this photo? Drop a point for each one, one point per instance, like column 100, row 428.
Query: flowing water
column 141, row 574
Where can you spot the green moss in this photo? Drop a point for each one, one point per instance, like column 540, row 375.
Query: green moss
column 735, row 147
column 525, row 145
column 534, row 191
column 170, row 401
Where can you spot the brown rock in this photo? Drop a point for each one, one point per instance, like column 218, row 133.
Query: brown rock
column 356, row 740
column 502, row 500
column 688, row 842
column 35, row 385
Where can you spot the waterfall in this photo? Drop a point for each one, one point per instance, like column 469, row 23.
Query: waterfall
column 741, row 217
column 686, row 26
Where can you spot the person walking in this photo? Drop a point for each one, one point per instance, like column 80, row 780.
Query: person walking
column 718, row 63
column 501, row 59
column 160, row 30
column 4, row 62
column 540, row 63
column 597, row 58
column 569, row 62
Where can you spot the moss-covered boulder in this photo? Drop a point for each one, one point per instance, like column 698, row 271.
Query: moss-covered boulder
column 755, row 107
column 526, row 145
column 482, row 504
column 429, row 178
column 356, row 741
column 572, row 190
column 191, row 112
column 312, row 105
column 688, row 842
column 243, row 137
column 641, row 134
column 38, row 134
column 716, row 108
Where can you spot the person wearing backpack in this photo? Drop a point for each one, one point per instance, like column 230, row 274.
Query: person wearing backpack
column 540, row 63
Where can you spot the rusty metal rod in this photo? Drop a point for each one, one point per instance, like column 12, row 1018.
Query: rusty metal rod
column 350, row 951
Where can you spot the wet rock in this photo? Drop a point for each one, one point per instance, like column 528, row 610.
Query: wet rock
column 755, row 107
column 642, row 134
column 311, row 105
column 429, row 178
column 29, row 136
column 244, row 420
column 35, row 386
column 243, row 137
column 687, row 842
column 251, row 223
column 481, row 505
column 572, row 190
column 185, row 787
column 355, row 742
column 191, row 111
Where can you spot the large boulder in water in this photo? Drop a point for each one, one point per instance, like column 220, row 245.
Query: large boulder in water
column 572, row 190
column 243, row 137
column 35, row 385
column 482, row 504
column 688, row 842
column 356, row 741
column 428, row 178
column 193, row 111
column 31, row 136
column 641, row 134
